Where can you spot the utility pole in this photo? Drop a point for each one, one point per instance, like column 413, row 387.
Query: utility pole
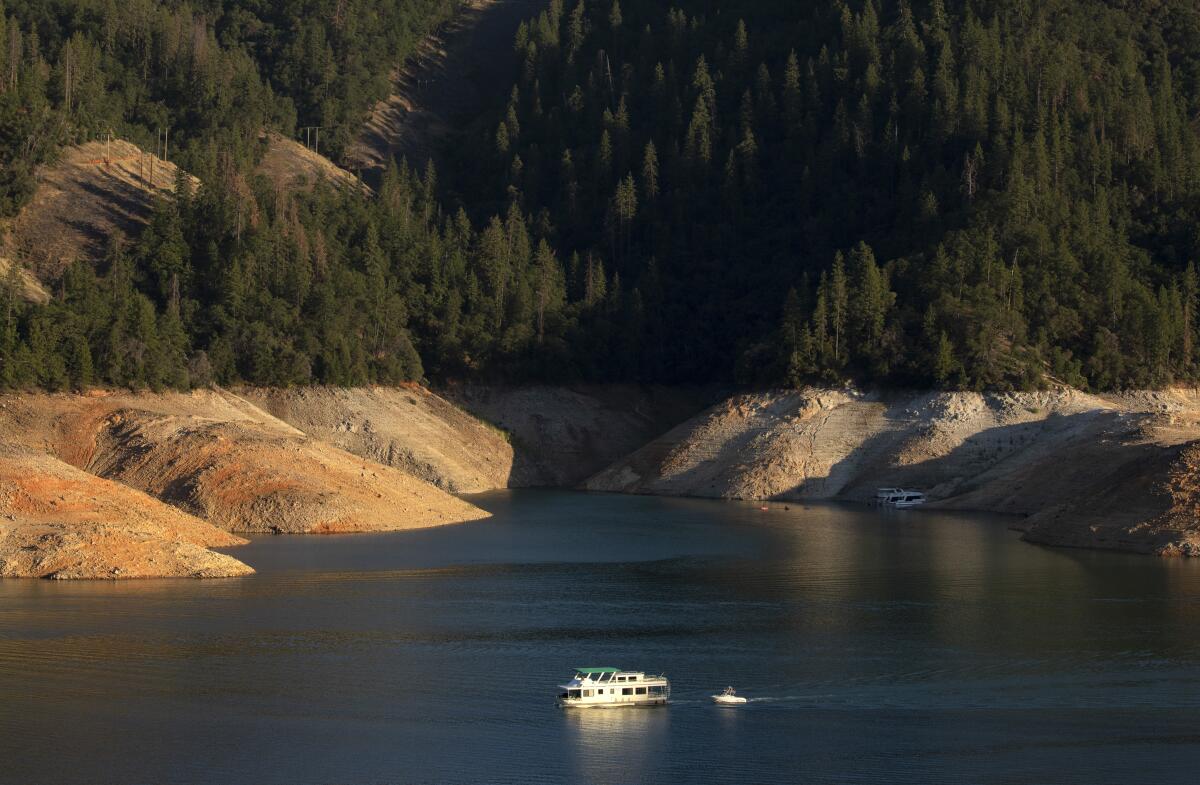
column 68, row 69
column 312, row 137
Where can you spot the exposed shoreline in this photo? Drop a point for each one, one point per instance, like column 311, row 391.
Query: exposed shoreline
column 114, row 484
column 1054, row 457
column 119, row 485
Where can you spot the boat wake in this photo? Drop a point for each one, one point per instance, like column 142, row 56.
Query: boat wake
column 790, row 698
column 764, row 699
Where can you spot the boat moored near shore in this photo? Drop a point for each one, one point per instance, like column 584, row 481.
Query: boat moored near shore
column 613, row 688
column 899, row 497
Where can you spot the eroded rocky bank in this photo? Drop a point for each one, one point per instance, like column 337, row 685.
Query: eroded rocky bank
column 123, row 485
column 57, row 521
column 208, row 461
column 409, row 428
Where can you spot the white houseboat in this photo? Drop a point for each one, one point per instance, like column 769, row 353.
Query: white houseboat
column 902, row 498
column 613, row 688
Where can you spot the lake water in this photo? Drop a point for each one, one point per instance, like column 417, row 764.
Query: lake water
column 901, row 647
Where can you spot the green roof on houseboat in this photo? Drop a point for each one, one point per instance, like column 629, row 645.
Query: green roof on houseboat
column 597, row 670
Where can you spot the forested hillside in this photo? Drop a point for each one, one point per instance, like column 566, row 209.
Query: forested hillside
column 200, row 82
column 964, row 193
column 208, row 74
column 955, row 193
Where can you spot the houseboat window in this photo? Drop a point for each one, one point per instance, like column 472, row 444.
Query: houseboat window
column 627, row 691
column 641, row 690
column 656, row 690
column 587, row 693
column 572, row 693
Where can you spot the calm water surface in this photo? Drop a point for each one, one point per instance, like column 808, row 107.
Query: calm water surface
column 909, row 647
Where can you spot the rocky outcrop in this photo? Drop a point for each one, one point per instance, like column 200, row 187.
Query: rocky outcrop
column 408, row 428
column 247, row 479
column 562, row 435
column 57, row 521
column 1090, row 471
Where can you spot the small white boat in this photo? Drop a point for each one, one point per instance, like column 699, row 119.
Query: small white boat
column 729, row 698
column 606, row 688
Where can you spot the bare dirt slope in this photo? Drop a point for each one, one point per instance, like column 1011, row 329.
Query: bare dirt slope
column 450, row 78
column 93, row 190
column 292, row 166
column 562, row 435
column 29, row 287
column 57, row 521
column 409, row 428
column 216, row 455
column 1055, row 456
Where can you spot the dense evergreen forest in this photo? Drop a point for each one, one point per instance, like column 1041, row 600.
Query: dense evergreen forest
column 968, row 194
column 957, row 193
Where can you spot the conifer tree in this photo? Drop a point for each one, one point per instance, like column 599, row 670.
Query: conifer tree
column 650, row 172
column 839, row 304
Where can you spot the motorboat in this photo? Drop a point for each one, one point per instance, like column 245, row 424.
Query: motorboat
column 729, row 698
column 613, row 688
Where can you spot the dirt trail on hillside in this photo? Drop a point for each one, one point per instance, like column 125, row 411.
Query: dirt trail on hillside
column 1090, row 471
column 453, row 75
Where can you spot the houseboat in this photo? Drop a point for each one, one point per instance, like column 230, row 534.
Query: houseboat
column 613, row 688
column 902, row 498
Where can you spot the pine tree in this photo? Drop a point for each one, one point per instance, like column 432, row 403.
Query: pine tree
column 650, row 172
column 604, row 158
column 944, row 363
column 1190, row 295
column 547, row 278
column 699, row 135
column 741, row 46
column 575, row 31
column 839, row 304
column 502, row 140
column 614, row 15
column 871, row 301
